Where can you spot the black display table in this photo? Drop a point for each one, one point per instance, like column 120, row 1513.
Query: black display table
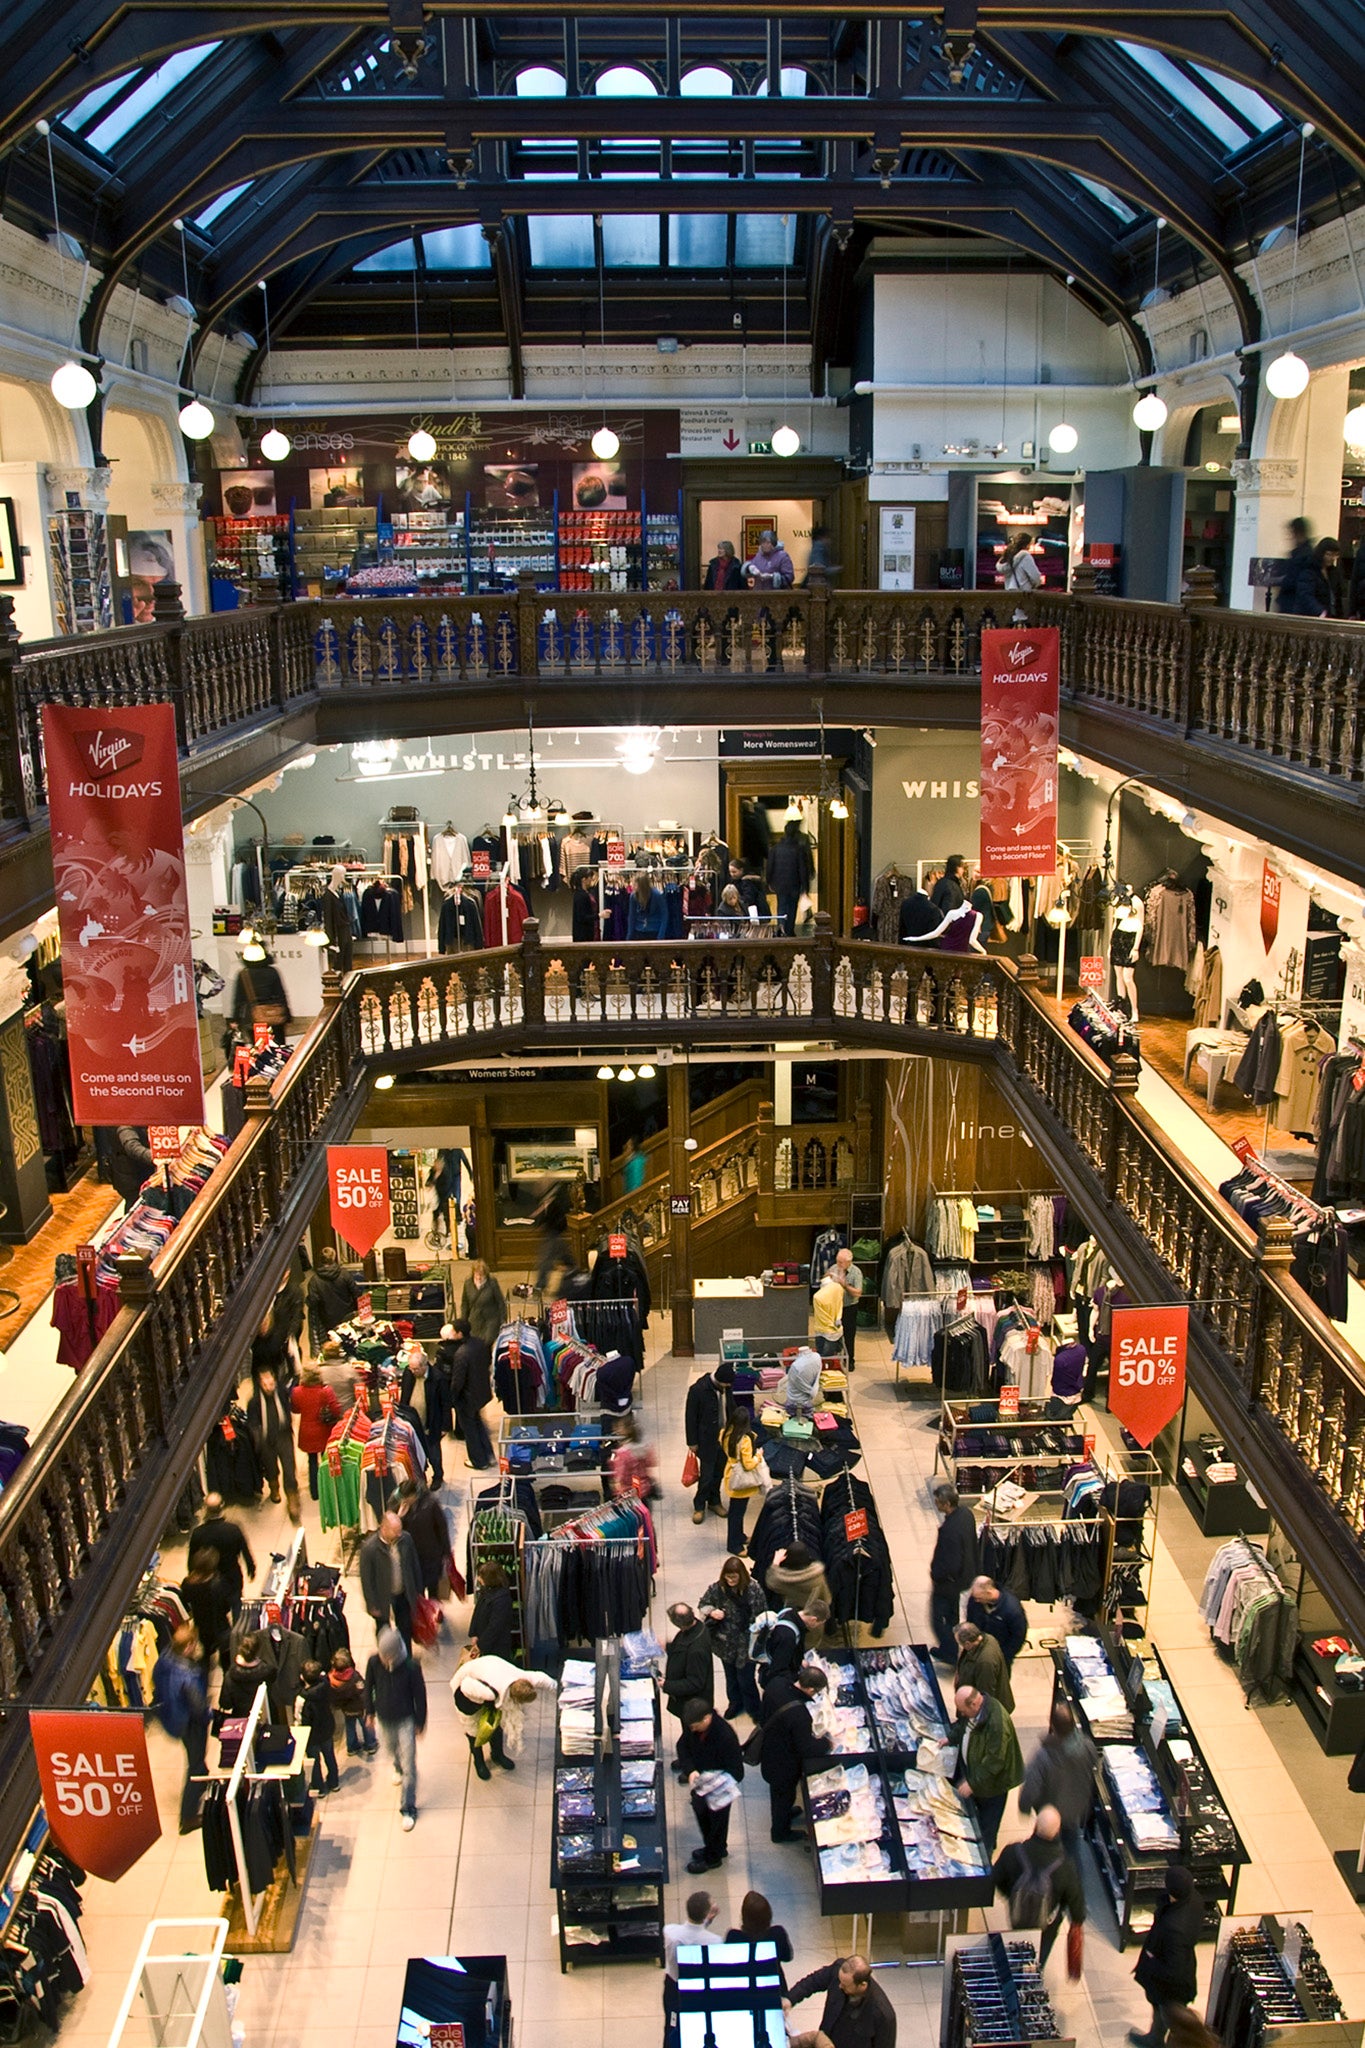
column 445, row 1993
column 1336, row 1716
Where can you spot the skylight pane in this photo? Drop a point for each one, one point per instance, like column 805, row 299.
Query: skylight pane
column 220, row 205
column 706, row 81
column 397, row 256
column 462, row 248
column 149, row 95
column 696, row 241
column 561, row 241
column 1262, row 116
column 630, row 241
column 761, row 241
column 538, row 82
column 87, row 108
column 1207, row 112
column 623, row 81
column 1117, row 206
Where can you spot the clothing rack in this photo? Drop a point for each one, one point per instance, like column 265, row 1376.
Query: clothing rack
column 20, row 1874
column 1314, row 1212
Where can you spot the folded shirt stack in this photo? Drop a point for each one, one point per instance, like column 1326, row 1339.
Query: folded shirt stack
column 1097, row 1688
column 936, row 1831
column 1141, row 1800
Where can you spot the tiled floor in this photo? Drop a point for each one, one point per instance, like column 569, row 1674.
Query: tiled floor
column 474, row 1873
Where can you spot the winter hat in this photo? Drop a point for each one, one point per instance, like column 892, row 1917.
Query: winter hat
column 391, row 1644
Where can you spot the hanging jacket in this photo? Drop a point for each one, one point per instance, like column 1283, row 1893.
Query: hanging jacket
column 381, row 913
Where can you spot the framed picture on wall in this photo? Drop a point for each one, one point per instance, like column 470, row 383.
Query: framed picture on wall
column 11, row 561
column 755, row 525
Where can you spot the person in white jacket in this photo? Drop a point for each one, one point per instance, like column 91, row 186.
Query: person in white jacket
column 490, row 1689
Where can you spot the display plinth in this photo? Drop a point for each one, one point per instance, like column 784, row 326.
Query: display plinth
column 277, row 1915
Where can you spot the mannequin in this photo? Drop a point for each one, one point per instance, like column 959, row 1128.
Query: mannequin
column 1124, row 941
column 336, row 922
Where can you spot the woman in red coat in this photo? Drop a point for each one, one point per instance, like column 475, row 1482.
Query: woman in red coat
column 319, row 1411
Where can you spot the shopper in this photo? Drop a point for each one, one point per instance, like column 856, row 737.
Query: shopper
column 551, row 1218
column 752, row 893
column 1018, row 570
column 1061, row 1773
column 798, row 1390
column 348, row 1699
column 744, row 1479
column 271, row 1428
column 795, row 1630
column 989, row 1761
column 1300, row 582
column 424, row 1391
column 709, row 1746
column 634, row 1166
column 789, row 1743
column 951, row 1569
column 647, row 914
column 396, row 1697
column 227, row 1538
column 467, row 1361
column 849, row 1276
column 858, row 2013
column 790, row 873
column 333, row 1295
column 769, row 567
column 205, row 1593
column 483, row 1305
column 634, row 1470
column 492, row 1631
column 704, row 1417
column 489, row 1694
column 390, row 1576
column 183, row 1709
column 997, row 1612
column 318, row 1715
column 693, row 1932
column 1185, row 2029
column 756, row 1924
column 1167, row 1968
column 319, row 1411
column 130, row 1162
column 797, row 1579
column 981, row 1664
column 688, row 1672
column 827, row 1313
column 730, row 1606
column 251, row 1668
column 1040, row 1881
column 950, row 890
column 723, row 571
column 428, row 1524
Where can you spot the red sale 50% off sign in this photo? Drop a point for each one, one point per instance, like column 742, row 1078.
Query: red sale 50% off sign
column 358, row 1183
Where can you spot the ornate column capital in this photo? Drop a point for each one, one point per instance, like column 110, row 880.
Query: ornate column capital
column 178, row 497
column 1267, row 475
column 92, row 485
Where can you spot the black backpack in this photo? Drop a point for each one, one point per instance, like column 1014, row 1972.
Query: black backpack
column 1031, row 1899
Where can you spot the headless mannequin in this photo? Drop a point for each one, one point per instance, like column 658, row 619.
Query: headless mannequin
column 336, row 922
column 1124, row 942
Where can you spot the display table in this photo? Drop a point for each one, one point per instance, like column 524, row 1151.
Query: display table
column 1222, row 1507
column 609, row 1841
column 1336, row 1715
column 450, row 1999
column 758, row 1312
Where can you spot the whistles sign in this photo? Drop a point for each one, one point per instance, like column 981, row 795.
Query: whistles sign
column 358, row 1179
column 97, row 1787
column 1020, row 683
column 118, row 858
column 1147, row 1368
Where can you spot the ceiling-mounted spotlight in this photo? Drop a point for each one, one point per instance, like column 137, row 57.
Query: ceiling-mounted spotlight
column 196, row 421
column 869, row 736
column 421, row 445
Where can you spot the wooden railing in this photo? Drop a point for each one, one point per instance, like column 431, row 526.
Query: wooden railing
column 1273, row 691
column 720, row 1177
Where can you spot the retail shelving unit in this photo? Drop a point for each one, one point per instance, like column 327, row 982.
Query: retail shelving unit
column 1034, row 1449
column 1269, row 1984
column 1221, row 1507
column 993, row 1995
column 78, row 549
column 1335, row 1713
column 609, row 1891
column 865, row 1227
column 244, row 560
column 503, row 543
column 325, row 542
column 413, row 1298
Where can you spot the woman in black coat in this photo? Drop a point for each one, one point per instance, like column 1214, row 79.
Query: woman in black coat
column 723, row 571
column 490, row 1625
column 1166, row 1968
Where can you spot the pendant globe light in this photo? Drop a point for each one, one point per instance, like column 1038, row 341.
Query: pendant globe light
column 71, row 384
column 1063, row 437
column 196, row 420
column 605, row 442
column 421, row 444
column 1287, row 376
column 274, row 445
column 1149, row 413
column 785, row 440
column 1353, row 427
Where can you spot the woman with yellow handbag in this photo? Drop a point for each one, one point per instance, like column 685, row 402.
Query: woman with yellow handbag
column 489, row 1694
column 745, row 1477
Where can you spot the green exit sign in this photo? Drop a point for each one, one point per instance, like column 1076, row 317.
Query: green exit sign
column 760, row 447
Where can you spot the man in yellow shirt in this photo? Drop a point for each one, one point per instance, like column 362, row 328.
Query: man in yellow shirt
column 828, row 1310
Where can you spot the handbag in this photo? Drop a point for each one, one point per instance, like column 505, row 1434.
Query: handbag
column 426, row 1621
column 691, row 1471
column 273, row 1745
column 742, row 1480
column 486, row 1727
column 1075, row 1950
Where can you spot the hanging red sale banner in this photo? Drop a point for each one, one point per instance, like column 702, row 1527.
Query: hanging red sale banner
column 1147, row 1368
column 1020, row 684
column 118, row 860
column 97, row 1787
column 358, row 1185
column 1270, row 904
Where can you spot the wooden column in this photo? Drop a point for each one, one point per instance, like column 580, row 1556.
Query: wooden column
column 680, row 1226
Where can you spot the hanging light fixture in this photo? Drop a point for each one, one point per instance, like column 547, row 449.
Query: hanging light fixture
column 1287, row 376
column 384, row 1080
column 274, row 445
column 639, row 749
column 72, row 384
column 196, row 420
column 645, row 1070
column 626, row 1074
column 830, row 792
column 315, row 936
column 606, row 1073
column 1064, row 437
column 605, row 443
column 253, row 950
column 1149, row 413
column 1353, row 427
column 421, row 444
column 785, row 439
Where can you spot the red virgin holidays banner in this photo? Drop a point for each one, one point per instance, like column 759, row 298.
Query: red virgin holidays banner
column 97, row 1787
column 1147, row 1368
column 118, row 856
column 358, row 1179
column 1020, row 672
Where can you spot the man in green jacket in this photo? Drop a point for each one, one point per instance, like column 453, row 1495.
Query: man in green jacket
column 989, row 1760
column 981, row 1664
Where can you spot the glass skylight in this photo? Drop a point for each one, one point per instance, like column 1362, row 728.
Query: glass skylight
column 1206, row 111
column 625, row 82
column 539, row 82
column 1262, row 116
column 99, row 96
column 706, row 81
column 147, row 96
column 462, row 248
column 793, row 84
column 1117, row 206
column 761, row 241
column 397, row 256
column 561, row 241
column 696, row 241
column 219, row 206
column 630, row 241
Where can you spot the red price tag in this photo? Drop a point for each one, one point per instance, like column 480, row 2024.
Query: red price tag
column 963, row 1297
column 163, row 1141
column 447, row 2034
column 1244, row 1149
column 855, row 1525
column 1009, row 1403
column 616, row 853
column 260, row 1034
column 241, row 1067
column 616, row 1245
column 1092, row 970
column 480, row 864
column 1088, row 1446
column 559, row 1317
column 85, row 1266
